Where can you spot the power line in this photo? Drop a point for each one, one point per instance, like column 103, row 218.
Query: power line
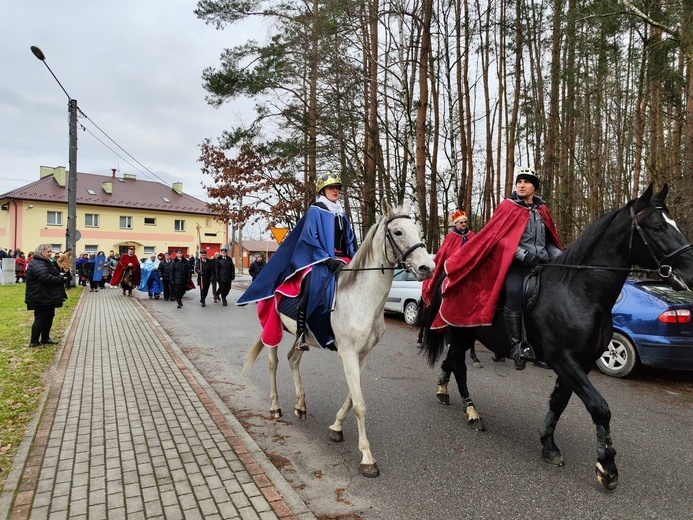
column 123, row 149
column 112, row 150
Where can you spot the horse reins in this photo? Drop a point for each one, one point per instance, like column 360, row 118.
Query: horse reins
column 663, row 270
column 401, row 255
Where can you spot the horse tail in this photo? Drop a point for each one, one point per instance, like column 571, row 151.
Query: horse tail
column 432, row 341
column 252, row 355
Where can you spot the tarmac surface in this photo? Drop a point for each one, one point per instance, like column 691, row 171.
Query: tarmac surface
column 129, row 429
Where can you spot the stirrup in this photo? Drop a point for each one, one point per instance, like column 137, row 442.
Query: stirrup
column 300, row 343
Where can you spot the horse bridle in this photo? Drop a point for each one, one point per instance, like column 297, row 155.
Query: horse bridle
column 401, row 256
column 663, row 270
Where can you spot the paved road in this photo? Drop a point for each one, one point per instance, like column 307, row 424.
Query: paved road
column 432, row 465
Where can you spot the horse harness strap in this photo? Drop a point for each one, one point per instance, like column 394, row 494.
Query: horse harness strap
column 664, row 270
column 401, row 255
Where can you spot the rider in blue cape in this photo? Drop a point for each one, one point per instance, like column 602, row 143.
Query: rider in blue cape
column 304, row 266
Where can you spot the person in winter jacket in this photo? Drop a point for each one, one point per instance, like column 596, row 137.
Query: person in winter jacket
column 180, row 274
column 224, row 273
column 45, row 290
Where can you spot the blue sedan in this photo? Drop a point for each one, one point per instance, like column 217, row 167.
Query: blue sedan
column 652, row 326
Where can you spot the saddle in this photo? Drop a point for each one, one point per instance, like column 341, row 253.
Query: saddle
column 288, row 306
column 530, row 290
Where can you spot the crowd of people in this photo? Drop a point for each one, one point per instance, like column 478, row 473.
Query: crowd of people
column 20, row 262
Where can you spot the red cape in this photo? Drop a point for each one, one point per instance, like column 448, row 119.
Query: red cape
column 122, row 264
column 476, row 272
column 451, row 243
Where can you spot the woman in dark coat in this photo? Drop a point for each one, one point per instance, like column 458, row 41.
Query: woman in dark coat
column 45, row 290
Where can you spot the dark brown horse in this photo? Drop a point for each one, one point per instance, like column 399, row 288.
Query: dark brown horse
column 569, row 326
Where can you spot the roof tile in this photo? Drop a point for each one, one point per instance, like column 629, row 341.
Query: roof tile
column 136, row 194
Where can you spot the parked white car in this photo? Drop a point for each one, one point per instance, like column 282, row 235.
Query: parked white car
column 405, row 297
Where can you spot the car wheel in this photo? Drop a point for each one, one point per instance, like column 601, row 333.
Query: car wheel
column 411, row 313
column 620, row 357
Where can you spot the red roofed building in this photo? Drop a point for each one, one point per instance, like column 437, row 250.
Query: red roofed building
column 112, row 214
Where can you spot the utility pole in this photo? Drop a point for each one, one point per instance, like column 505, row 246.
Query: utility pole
column 71, row 230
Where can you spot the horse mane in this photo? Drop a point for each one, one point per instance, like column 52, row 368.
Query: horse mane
column 580, row 250
column 364, row 255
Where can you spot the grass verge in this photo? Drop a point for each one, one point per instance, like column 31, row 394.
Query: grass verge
column 23, row 370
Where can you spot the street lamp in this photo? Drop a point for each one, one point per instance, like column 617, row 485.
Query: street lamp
column 71, row 231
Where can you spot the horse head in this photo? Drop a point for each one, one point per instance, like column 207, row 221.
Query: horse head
column 403, row 241
column 657, row 241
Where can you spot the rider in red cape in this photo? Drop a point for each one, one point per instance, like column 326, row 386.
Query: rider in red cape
column 477, row 272
column 127, row 272
column 458, row 236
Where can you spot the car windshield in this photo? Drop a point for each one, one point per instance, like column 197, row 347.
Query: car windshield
column 666, row 293
column 400, row 275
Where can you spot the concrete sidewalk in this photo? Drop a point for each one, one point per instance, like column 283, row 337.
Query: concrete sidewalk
column 129, row 429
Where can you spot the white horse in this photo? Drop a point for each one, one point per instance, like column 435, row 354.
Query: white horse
column 357, row 318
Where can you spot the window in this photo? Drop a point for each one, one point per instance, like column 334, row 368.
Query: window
column 91, row 220
column 91, row 249
column 149, row 221
column 56, row 247
column 54, row 218
column 149, row 251
column 166, row 199
column 179, row 225
column 91, row 192
column 125, row 222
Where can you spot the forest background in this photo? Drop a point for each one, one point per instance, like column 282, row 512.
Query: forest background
column 439, row 102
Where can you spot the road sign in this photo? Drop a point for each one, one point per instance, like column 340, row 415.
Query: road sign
column 279, row 233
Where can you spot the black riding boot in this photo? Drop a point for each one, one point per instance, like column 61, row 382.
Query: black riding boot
column 520, row 351
column 300, row 343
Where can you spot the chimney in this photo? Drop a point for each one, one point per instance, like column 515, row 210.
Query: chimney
column 58, row 174
column 107, row 187
column 113, row 170
column 178, row 187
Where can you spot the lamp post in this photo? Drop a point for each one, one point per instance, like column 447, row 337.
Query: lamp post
column 71, row 230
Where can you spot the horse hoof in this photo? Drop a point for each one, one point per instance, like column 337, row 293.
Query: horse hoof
column 477, row 424
column 276, row 414
column 477, row 364
column 443, row 398
column 369, row 470
column 301, row 414
column 609, row 480
column 336, row 436
column 553, row 457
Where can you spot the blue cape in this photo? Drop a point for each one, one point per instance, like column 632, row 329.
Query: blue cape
column 310, row 243
column 98, row 267
column 147, row 285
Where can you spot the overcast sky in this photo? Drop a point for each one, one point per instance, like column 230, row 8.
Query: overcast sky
column 134, row 67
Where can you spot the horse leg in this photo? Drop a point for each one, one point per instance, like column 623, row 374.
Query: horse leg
column 459, row 369
column 559, row 400
column 442, row 395
column 475, row 359
column 336, row 434
column 598, row 408
column 353, row 365
column 272, row 363
column 294, row 356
